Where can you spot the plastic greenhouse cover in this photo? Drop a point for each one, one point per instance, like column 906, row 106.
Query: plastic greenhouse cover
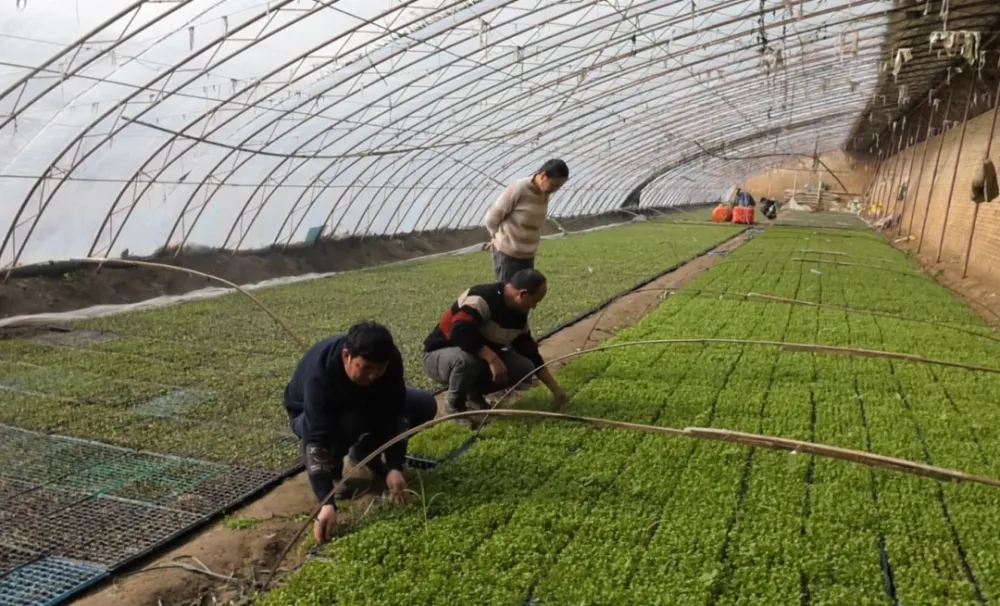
column 132, row 125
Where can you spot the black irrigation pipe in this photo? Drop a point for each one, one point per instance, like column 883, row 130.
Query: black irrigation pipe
column 888, row 579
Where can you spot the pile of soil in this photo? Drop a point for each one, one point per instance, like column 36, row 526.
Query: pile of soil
column 66, row 286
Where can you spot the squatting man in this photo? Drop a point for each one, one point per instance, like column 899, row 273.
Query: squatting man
column 483, row 344
column 347, row 397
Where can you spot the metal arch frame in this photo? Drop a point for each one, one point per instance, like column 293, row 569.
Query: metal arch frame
column 365, row 212
column 738, row 164
column 319, row 177
column 637, row 67
column 640, row 152
column 321, row 133
column 680, row 171
column 80, row 138
column 564, row 134
column 167, row 145
column 626, row 160
column 574, row 205
column 390, row 125
column 76, row 46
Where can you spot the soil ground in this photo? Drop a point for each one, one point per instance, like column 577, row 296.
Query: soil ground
column 246, row 555
column 68, row 286
column 981, row 293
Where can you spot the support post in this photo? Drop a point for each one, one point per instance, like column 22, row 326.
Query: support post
column 907, row 169
column 920, row 177
column 891, row 191
column 909, row 175
column 872, row 187
column 937, row 162
column 975, row 210
column 954, row 173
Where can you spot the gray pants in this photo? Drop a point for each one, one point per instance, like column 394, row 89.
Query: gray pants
column 464, row 374
column 505, row 266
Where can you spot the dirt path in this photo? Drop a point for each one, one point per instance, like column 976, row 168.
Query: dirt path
column 981, row 294
column 272, row 520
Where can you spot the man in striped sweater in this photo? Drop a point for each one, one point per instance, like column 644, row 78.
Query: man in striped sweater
column 516, row 219
column 483, row 344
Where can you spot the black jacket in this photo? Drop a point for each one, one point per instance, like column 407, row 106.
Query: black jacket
column 321, row 390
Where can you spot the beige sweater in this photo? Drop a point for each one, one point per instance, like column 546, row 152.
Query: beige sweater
column 516, row 219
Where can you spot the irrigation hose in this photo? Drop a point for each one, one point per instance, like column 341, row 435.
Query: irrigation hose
column 763, row 441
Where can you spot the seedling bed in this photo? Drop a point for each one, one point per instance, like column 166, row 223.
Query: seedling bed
column 556, row 514
column 112, row 389
column 222, row 491
column 14, row 557
column 47, row 582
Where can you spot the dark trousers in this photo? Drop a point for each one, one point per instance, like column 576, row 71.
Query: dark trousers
column 464, row 374
column 354, row 438
column 505, row 266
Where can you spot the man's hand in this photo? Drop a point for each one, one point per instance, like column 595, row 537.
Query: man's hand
column 499, row 371
column 396, row 484
column 489, row 245
column 559, row 397
column 497, row 368
column 545, row 376
column 325, row 521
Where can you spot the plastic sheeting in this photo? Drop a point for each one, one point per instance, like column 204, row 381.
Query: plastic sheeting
column 241, row 124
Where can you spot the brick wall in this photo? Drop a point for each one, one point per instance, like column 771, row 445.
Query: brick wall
column 926, row 203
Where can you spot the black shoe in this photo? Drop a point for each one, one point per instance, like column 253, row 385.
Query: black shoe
column 478, row 402
column 455, row 406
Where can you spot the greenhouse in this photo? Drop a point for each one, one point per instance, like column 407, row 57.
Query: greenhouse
column 693, row 302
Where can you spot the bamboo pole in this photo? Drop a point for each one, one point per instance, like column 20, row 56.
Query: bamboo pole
column 954, row 174
column 941, row 474
column 975, row 209
column 937, row 162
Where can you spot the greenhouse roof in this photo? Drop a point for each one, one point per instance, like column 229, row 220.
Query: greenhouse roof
column 243, row 124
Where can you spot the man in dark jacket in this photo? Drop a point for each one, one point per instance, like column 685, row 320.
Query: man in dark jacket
column 347, row 397
column 482, row 343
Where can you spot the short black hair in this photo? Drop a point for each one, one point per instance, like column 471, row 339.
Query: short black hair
column 527, row 279
column 555, row 169
column 371, row 341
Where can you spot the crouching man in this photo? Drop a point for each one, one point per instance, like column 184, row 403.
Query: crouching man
column 347, row 397
column 483, row 344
